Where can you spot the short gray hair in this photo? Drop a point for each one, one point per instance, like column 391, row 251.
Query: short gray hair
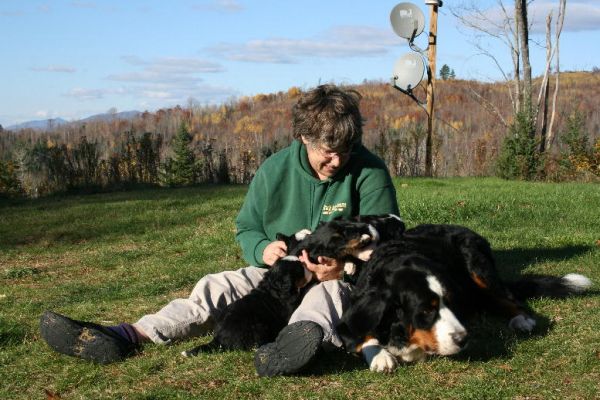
column 328, row 115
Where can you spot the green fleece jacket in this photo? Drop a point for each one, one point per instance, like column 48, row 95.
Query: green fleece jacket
column 285, row 197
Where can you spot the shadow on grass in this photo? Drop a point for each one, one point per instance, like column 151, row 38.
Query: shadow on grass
column 334, row 362
column 11, row 333
column 490, row 339
column 512, row 261
column 75, row 219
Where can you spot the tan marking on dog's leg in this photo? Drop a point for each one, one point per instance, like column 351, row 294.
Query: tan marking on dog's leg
column 479, row 281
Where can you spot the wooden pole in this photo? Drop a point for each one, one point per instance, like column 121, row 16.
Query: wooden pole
column 431, row 84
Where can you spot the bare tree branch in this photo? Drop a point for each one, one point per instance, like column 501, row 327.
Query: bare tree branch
column 559, row 26
column 486, row 53
column 549, row 56
column 544, row 88
column 489, row 106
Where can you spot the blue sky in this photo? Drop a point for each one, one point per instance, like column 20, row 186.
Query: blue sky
column 72, row 59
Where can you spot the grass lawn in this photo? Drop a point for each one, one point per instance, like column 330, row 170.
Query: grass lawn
column 114, row 257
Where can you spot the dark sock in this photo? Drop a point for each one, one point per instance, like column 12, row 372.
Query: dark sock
column 126, row 331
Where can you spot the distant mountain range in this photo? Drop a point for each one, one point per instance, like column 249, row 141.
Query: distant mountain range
column 47, row 124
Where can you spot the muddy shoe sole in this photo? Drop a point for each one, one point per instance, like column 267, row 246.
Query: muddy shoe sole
column 84, row 340
column 295, row 347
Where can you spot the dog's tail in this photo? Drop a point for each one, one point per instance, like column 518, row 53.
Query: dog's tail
column 530, row 286
column 211, row 347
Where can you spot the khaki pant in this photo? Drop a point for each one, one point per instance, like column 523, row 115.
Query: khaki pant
column 323, row 303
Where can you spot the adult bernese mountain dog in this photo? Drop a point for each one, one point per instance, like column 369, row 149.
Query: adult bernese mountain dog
column 258, row 317
column 415, row 294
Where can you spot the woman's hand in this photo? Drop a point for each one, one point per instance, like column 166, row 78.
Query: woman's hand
column 327, row 268
column 274, row 251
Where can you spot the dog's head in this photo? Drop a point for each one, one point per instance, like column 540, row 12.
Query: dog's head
column 406, row 308
column 287, row 276
column 341, row 239
column 388, row 226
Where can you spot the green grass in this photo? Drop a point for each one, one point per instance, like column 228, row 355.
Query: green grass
column 114, row 257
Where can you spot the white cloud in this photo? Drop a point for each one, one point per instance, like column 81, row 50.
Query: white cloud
column 42, row 114
column 93, row 94
column 156, row 96
column 172, row 65
column 166, row 69
column 151, row 76
column 54, row 68
column 338, row 42
column 168, row 77
column 160, row 82
column 580, row 15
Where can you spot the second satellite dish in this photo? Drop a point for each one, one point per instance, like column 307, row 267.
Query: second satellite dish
column 407, row 20
column 408, row 71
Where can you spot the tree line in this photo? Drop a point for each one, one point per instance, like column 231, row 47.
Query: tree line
column 225, row 144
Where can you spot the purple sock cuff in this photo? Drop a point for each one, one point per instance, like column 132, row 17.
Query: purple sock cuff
column 126, row 331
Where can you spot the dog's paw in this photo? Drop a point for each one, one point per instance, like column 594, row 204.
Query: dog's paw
column 189, row 353
column 350, row 268
column 522, row 323
column 301, row 235
column 383, row 362
column 378, row 358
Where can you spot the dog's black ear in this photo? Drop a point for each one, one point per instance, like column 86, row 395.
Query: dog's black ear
column 362, row 319
column 290, row 241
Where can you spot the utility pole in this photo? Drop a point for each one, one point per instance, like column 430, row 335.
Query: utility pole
column 408, row 21
column 432, row 46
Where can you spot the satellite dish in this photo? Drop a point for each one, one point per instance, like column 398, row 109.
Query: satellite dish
column 408, row 71
column 408, row 21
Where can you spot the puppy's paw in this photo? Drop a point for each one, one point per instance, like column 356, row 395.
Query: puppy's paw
column 383, row 362
column 522, row 323
column 189, row 353
column 350, row 268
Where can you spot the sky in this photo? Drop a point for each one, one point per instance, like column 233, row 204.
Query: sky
column 74, row 58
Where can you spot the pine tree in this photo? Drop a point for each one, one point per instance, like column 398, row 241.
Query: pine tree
column 452, row 74
column 183, row 164
column 445, row 72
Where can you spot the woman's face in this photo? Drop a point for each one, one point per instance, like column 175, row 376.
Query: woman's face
column 325, row 162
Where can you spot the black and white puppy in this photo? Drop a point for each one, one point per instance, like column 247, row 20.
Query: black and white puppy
column 417, row 292
column 258, row 317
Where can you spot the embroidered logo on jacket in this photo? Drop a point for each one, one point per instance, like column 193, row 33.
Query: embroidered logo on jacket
column 329, row 209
